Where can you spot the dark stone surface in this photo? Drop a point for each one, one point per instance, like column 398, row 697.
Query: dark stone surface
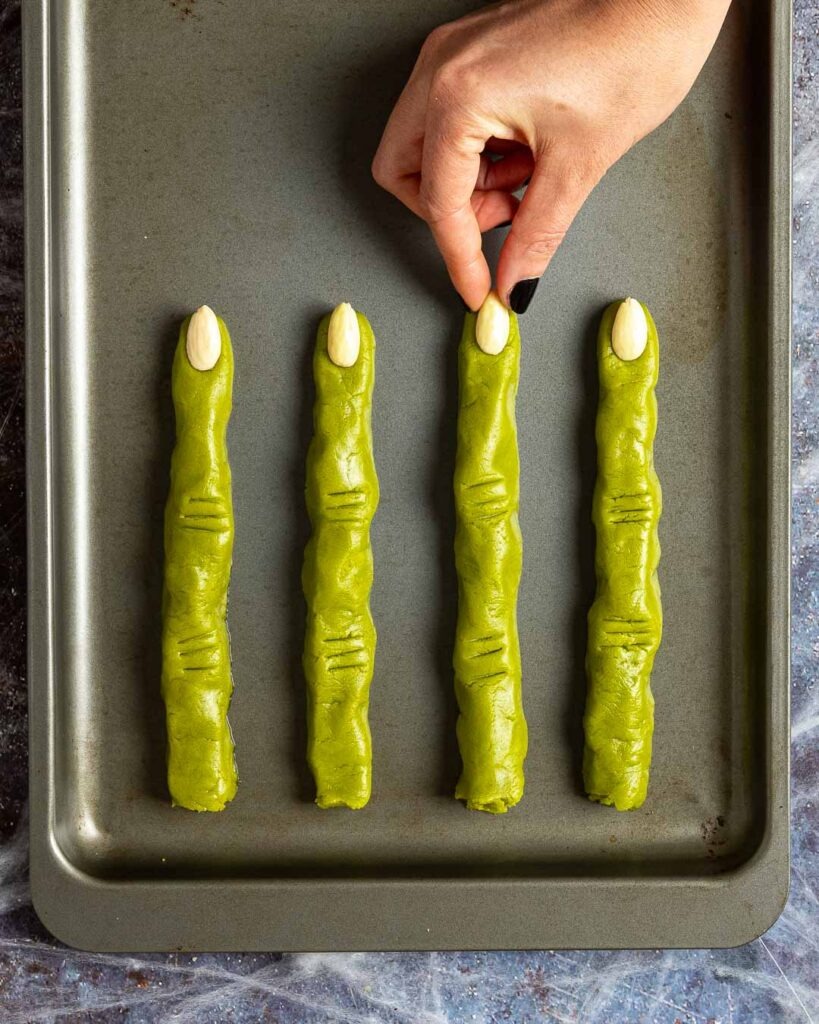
column 773, row 979
column 12, row 441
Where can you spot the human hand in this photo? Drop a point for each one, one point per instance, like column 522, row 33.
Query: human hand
column 560, row 89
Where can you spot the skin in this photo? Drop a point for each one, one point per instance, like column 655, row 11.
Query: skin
column 491, row 728
column 561, row 89
column 196, row 678
column 625, row 621
column 339, row 648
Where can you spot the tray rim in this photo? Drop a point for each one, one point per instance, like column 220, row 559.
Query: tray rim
column 226, row 914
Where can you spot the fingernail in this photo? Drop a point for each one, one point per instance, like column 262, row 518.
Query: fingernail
column 522, row 294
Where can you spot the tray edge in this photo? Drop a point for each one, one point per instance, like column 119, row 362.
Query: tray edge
column 59, row 891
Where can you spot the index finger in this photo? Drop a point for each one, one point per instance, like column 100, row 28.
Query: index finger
column 450, row 165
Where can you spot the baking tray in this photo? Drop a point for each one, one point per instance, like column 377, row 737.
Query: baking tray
column 180, row 153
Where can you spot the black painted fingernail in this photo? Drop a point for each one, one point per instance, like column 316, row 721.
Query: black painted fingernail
column 522, row 294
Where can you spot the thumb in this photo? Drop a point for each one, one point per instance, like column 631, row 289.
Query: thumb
column 552, row 200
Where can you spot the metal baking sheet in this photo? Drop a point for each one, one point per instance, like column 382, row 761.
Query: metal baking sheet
column 219, row 152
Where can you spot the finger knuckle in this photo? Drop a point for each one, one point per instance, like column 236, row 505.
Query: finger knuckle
column 466, row 264
column 457, row 82
column 438, row 38
column 434, row 206
column 378, row 169
column 542, row 243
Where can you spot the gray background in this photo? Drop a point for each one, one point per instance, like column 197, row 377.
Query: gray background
column 416, row 987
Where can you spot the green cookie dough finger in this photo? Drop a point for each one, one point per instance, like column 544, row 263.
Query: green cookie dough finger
column 491, row 727
column 625, row 621
column 196, row 679
column 342, row 496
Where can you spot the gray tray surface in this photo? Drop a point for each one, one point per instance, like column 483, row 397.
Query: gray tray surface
column 219, row 153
